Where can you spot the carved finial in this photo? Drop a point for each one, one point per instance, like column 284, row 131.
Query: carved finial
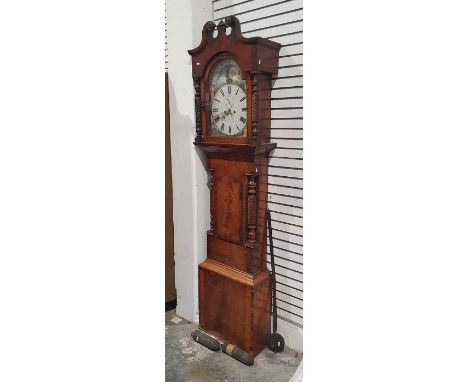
column 210, row 25
column 221, row 28
column 233, row 22
column 208, row 29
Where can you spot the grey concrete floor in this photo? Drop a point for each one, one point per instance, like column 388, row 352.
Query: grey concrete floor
column 188, row 361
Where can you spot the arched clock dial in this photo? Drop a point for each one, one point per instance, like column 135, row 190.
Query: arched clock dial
column 228, row 110
column 227, row 100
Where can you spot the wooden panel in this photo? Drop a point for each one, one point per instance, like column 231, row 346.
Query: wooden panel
column 233, row 255
column 228, row 203
column 261, row 310
column 229, row 194
column 169, row 228
column 224, row 303
column 234, row 306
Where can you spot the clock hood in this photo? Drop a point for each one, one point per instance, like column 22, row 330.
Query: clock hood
column 252, row 53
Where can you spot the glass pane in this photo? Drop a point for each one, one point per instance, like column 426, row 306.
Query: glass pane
column 226, row 108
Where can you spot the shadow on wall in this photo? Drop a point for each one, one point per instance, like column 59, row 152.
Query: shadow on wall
column 184, row 126
column 190, row 189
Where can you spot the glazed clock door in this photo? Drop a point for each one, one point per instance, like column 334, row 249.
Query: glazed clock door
column 227, row 104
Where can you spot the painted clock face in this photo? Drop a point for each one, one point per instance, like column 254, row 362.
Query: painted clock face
column 227, row 100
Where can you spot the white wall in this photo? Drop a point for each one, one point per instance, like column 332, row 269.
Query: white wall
column 185, row 19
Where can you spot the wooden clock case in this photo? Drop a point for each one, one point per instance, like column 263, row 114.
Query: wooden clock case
column 234, row 284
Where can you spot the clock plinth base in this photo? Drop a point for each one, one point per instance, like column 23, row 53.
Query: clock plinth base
column 234, row 305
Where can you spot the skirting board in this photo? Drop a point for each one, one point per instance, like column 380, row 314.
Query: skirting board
column 291, row 333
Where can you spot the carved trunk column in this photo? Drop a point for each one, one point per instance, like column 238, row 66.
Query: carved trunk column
column 252, row 209
column 198, row 104
column 254, row 105
column 210, row 185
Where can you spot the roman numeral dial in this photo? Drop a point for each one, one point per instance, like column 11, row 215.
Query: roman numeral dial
column 229, row 110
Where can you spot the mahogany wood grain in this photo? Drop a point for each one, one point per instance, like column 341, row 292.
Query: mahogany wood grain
column 169, row 227
column 257, row 58
column 234, row 284
column 241, row 314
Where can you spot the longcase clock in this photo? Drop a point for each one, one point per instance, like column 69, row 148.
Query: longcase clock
column 232, row 81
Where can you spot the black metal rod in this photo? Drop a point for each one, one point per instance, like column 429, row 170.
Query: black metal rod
column 273, row 272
